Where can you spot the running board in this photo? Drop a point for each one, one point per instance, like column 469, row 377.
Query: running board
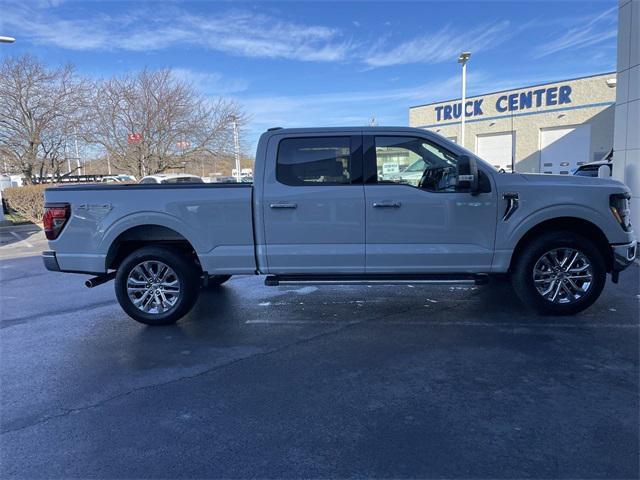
column 378, row 279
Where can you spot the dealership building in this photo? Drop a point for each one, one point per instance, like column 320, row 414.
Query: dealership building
column 626, row 140
column 549, row 128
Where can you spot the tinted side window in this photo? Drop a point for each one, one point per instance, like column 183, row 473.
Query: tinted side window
column 314, row 161
column 417, row 162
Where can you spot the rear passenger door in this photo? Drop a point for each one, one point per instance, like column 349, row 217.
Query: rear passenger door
column 313, row 204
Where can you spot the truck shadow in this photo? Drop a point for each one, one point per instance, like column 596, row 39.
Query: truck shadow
column 244, row 314
column 243, row 318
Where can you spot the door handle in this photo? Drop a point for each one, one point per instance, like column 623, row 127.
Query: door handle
column 283, row 205
column 386, row 205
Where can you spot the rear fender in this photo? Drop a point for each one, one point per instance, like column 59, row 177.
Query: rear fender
column 139, row 219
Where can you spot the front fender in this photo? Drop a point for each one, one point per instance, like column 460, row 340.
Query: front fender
column 509, row 233
column 516, row 227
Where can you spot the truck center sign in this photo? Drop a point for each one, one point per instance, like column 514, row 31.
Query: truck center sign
column 536, row 98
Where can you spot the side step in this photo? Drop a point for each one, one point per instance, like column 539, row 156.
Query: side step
column 379, row 279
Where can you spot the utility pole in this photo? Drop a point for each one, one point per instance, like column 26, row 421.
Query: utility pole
column 75, row 130
column 236, row 147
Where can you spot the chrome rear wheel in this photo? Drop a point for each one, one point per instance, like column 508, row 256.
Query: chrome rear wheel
column 153, row 287
column 563, row 275
column 157, row 285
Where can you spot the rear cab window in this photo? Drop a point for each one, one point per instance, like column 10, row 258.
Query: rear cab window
column 309, row 161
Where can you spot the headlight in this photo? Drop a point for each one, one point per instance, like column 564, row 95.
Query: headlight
column 620, row 204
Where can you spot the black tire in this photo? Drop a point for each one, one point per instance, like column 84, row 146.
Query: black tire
column 217, row 280
column 522, row 275
column 185, row 271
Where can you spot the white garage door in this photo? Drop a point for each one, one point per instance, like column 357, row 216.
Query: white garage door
column 564, row 149
column 496, row 148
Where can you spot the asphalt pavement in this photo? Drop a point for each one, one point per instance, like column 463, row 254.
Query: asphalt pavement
column 21, row 241
column 329, row 382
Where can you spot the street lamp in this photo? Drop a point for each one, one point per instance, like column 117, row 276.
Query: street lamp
column 236, row 148
column 7, row 39
column 463, row 59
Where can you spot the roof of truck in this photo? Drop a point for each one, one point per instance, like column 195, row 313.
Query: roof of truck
column 278, row 130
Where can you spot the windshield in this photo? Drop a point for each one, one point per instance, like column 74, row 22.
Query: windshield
column 587, row 172
column 417, row 166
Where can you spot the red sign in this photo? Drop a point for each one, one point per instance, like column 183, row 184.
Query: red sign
column 134, row 137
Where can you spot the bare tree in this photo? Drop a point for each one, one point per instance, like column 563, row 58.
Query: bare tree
column 151, row 122
column 39, row 110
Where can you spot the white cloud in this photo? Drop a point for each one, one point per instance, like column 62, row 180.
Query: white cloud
column 255, row 35
column 240, row 33
column 237, row 33
column 211, row 83
column 581, row 32
column 440, row 46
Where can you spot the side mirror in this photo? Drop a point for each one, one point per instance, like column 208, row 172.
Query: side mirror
column 468, row 174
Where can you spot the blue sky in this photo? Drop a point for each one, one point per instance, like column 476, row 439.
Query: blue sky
column 314, row 63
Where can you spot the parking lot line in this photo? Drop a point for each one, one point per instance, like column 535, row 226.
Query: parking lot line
column 20, row 239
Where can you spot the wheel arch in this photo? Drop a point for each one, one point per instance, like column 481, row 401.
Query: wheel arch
column 571, row 224
column 139, row 236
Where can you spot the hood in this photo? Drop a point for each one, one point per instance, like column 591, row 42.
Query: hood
column 571, row 180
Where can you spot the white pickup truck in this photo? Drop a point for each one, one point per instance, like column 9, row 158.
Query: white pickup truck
column 320, row 211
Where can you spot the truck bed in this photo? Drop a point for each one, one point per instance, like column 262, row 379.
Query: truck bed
column 216, row 219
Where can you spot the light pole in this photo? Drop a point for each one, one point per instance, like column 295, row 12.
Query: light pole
column 463, row 59
column 7, row 39
column 236, row 148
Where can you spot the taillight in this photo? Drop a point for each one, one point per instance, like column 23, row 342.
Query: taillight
column 54, row 219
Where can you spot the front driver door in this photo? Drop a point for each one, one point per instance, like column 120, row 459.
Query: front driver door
column 313, row 205
column 417, row 220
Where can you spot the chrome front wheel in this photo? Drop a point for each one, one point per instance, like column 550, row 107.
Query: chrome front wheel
column 563, row 275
